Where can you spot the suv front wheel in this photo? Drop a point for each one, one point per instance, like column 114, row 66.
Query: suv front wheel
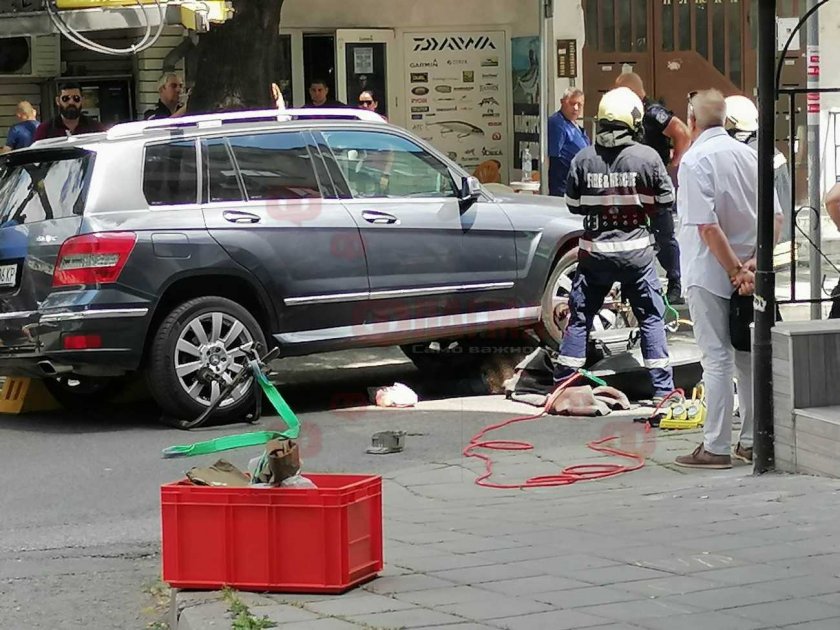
column 196, row 351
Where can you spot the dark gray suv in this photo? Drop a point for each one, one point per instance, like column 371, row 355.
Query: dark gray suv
column 165, row 246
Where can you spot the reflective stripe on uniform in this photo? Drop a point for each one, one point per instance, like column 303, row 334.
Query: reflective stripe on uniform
column 572, row 362
column 611, row 200
column 572, row 202
column 669, row 198
column 612, row 247
column 657, row 363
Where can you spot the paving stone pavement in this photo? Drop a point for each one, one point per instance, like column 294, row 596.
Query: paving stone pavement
column 658, row 548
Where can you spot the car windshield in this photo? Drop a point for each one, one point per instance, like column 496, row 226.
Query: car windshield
column 52, row 188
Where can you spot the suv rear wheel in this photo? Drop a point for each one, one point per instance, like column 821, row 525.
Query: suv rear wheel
column 196, row 352
column 555, row 304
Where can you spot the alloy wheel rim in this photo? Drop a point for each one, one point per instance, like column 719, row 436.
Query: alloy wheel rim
column 209, row 355
column 560, row 300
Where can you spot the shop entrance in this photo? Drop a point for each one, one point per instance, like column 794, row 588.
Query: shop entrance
column 319, row 61
column 363, row 64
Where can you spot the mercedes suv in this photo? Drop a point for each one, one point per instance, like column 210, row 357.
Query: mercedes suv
column 164, row 247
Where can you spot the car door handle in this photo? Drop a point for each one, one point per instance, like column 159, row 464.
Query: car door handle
column 235, row 216
column 379, row 218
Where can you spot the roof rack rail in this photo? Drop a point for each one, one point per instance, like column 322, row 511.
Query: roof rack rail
column 61, row 140
column 216, row 120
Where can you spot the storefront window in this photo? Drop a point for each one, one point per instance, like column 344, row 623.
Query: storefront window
column 591, row 23
column 624, row 27
column 640, row 23
column 366, row 72
column 684, row 17
column 701, row 28
column 719, row 37
column 735, row 47
column 667, row 27
column 608, row 25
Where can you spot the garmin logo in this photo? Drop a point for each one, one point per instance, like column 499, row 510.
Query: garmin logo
column 428, row 44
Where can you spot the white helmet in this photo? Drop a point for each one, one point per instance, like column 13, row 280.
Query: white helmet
column 741, row 114
column 621, row 105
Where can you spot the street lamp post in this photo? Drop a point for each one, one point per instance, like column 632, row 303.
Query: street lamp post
column 765, row 282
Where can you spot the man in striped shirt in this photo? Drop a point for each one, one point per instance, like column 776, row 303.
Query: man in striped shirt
column 618, row 184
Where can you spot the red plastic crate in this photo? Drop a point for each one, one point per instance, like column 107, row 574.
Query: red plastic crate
column 290, row 540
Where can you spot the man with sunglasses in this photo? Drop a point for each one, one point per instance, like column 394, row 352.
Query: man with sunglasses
column 70, row 120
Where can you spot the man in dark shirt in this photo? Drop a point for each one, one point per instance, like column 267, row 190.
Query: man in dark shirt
column 319, row 94
column 662, row 130
column 70, row 120
column 21, row 133
column 170, row 87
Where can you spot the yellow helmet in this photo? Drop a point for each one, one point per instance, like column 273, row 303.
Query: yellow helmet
column 621, row 105
column 741, row 114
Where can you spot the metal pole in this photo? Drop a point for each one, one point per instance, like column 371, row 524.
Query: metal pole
column 765, row 289
column 546, row 49
column 814, row 180
column 792, row 200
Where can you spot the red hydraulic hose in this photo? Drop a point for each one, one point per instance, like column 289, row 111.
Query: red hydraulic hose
column 567, row 476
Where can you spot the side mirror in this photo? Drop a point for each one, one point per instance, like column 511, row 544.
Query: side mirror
column 470, row 192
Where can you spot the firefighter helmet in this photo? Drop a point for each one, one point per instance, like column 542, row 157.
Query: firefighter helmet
column 741, row 114
column 621, row 105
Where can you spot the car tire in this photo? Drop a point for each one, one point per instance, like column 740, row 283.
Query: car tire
column 82, row 392
column 550, row 329
column 552, row 323
column 183, row 387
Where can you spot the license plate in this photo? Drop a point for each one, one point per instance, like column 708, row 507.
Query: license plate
column 8, row 275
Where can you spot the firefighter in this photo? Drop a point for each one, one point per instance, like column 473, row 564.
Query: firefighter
column 618, row 184
column 742, row 124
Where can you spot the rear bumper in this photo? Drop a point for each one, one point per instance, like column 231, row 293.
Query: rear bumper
column 39, row 348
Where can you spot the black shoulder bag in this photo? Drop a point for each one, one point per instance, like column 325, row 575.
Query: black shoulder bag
column 741, row 315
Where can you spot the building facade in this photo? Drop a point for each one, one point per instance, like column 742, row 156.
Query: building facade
column 474, row 78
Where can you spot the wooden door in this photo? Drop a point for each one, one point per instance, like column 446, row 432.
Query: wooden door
column 618, row 36
column 699, row 44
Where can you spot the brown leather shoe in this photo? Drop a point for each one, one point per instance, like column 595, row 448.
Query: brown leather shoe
column 745, row 454
column 701, row 459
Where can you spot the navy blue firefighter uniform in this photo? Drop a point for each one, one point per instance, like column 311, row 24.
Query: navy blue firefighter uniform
column 618, row 185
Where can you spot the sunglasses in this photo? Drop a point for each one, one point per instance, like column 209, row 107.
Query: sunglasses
column 67, row 99
column 365, row 102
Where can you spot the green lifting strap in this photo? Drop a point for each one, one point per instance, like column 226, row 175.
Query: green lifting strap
column 592, row 377
column 245, row 439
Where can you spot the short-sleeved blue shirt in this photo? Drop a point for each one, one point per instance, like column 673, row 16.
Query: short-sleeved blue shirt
column 21, row 134
column 565, row 139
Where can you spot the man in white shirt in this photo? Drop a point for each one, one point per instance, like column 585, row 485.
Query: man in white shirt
column 717, row 205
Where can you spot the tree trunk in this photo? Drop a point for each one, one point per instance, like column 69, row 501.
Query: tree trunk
column 237, row 60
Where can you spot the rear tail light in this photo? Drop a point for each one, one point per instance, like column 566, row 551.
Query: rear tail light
column 93, row 258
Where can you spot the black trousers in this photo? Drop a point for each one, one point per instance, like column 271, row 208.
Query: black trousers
column 668, row 250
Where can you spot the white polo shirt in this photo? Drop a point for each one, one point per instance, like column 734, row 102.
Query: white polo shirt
column 718, row 179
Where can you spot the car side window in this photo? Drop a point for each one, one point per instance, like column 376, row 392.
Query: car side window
column 275, row 166
column 170, row 173
column 384, row 165
column 220, row 180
